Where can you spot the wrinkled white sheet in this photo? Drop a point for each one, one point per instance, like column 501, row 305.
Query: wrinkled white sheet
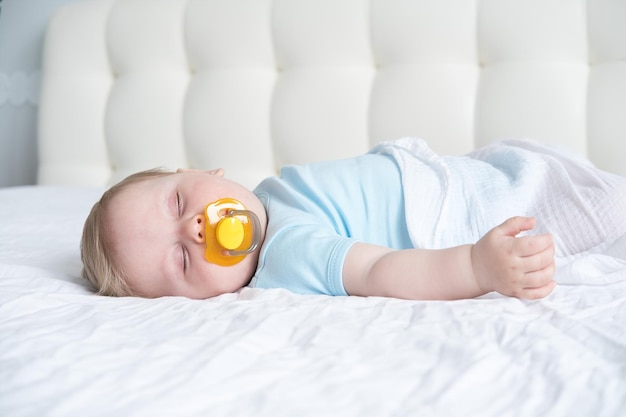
column 67, row 352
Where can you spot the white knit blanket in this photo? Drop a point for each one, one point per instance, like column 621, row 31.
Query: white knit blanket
column 455, row 200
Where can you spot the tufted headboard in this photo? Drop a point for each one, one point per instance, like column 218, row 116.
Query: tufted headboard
column 250, row 85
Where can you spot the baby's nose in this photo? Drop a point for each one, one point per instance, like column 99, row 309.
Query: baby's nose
column 197, row 229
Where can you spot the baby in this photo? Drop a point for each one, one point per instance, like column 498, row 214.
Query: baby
column 399, row 221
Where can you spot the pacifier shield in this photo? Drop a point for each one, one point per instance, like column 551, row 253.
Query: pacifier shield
column 232, row 232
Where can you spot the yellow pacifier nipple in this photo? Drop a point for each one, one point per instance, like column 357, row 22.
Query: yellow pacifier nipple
column 232, row 232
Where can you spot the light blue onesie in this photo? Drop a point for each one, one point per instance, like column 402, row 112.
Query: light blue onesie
column 317, row 212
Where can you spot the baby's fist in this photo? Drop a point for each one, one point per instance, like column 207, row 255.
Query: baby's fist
column 519, row 267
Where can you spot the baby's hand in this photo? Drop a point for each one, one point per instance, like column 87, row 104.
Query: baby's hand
column 519, row 267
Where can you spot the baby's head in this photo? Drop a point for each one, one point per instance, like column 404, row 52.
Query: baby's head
column 145, row 237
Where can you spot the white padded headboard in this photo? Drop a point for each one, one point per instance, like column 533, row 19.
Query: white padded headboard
column 250, row 85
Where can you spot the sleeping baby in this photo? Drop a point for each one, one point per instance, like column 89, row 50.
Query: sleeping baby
column 399, row 221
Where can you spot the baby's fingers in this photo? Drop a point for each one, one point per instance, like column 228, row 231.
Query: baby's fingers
column 540, row 260
column 533, row 245
column 539, row 277
column 538, row 281
column 538, row 292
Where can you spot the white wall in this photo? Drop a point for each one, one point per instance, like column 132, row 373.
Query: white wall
column 22, row 27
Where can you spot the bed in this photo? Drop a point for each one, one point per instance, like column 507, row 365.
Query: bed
column 251, row 85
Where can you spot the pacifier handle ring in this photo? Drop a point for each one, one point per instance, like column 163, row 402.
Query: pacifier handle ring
column 256, row 231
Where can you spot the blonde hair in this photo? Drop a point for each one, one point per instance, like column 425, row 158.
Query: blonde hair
column 99, row 267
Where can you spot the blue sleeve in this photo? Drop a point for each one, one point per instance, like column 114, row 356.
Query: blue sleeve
column 304, row 259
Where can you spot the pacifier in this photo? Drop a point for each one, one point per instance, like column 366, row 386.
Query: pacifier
column 232, row 232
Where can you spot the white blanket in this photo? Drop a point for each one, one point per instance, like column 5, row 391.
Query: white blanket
column 67, row 352
column 456, row 200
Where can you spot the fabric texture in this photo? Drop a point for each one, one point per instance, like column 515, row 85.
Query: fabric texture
column 455, row 200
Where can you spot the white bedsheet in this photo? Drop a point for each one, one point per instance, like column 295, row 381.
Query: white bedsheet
column 67, row 352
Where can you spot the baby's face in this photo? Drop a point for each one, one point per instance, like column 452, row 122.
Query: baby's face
column 157, row 229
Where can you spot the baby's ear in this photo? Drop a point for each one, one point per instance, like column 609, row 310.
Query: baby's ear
column 219, row 171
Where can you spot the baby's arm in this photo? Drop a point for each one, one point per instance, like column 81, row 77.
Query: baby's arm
column 520, row 267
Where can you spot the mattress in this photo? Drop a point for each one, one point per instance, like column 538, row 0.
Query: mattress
column 65, row 351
